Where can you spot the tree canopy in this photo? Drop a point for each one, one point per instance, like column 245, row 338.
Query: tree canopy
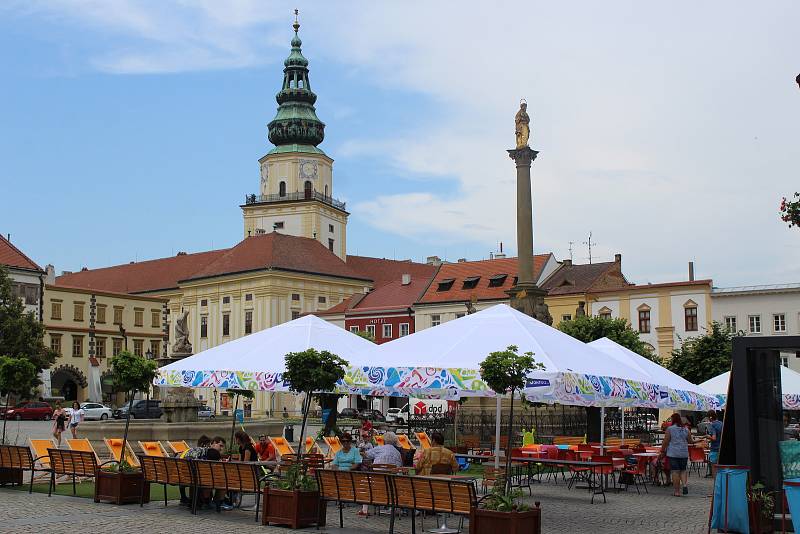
column 17, row 376
column 587, row 329
column 132, row 373
column 505, row 371
column 703, row 357
column 312, row 371
column 790, row 210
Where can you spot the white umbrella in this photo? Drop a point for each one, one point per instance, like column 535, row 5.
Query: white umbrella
column 790, row 387
column 256, row 361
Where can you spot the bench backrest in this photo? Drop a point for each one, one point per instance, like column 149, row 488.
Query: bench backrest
column 67, row 462
column 233, row 476
column 567, row 440
column 616, row 442
column 166, row 470
column 15, row 457
column 362, row 487
column 81, row 444
column 434, row 495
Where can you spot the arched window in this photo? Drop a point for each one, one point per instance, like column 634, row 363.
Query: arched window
column 309, row 188
column 282, row 189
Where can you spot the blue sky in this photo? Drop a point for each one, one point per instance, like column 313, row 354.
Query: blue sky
column 132, row 130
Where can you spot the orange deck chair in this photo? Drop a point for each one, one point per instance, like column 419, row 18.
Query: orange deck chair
column 379, row 440
column 404, row 442
column 114, row 446
column 39, row 448
column 82, row 444
column 334, row 445
column 424, row 440
column 310, row 444
column 177, row 447
column 152, row 448
column 282, row 447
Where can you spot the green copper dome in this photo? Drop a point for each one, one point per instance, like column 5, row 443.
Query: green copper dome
column 296, row 127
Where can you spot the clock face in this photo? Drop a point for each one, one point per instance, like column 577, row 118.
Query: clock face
column 308, row 169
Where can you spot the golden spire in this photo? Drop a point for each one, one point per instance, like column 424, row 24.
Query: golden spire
column 296, row 24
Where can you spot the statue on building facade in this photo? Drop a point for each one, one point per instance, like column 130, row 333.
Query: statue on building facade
column 182, row 345
column 522, row 122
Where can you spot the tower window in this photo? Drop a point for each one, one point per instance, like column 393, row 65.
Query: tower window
column 330, row 228
column 282, row 189
column 308, row 189
column 330, row 245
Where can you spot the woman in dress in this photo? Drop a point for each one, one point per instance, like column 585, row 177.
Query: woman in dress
column 675, row 447
column 59, row 422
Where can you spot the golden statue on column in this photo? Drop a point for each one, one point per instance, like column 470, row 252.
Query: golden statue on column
column 522, row 122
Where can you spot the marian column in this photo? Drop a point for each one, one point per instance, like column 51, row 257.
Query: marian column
column 526, row 296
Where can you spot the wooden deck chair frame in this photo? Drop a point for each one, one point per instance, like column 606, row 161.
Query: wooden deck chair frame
column 281, row 445
column 129, row 454
column 378, row 440
column 404, row 442
column 39, row 448
column 177, row 447
column 310, row 444
column 161, row 452
column 424, row 440
column 334, row 445
column 83, row 445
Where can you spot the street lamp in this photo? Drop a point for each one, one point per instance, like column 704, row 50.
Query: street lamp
column 149, row 356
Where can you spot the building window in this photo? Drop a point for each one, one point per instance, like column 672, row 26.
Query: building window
column 138, row 347
column 31, row 294
column 55, row 310
column 566, row 317
column 295, row 315
column 730, row 323
column 248, row 297
column 436, row 320
column 278, row 225
column 644, row 321
column 77, row 346
column 100, row 347
column 226, row 324
column 248, row 322
column 226, row 300
column 138, row 317
column 446, row 284
column 460, row 315
column 779, row 322
column 354, row 329
column 101, row 313
column 296, row 297
column 118, row 314
column 387, row 331
column 755, row 324
column 116, row 346
column 690, row 318
column 470, row 282
column 497, row 280
column 330, row 245
column 605, row 315
column 55, row 343
column 204, row 302
column 282, row 189
column 330, row 228
column 371, row 330
column 155, row 318
column 78, row 312
column 155, row 348
column 403, row 329
column 204, row 326
column 785, row 362
column 322, row 300
column 308, row 190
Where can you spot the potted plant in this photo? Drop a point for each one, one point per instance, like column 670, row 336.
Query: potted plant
column 762, row 509
column 506, row 372
column 294, row 499
column 17, row 377
column 122, row 483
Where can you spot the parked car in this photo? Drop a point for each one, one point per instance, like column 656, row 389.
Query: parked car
column 397, row 415
column 372, row 415
column 204, row 412
column 351, row 413
column 142, row 409
column 32, row 410
column 94, row 411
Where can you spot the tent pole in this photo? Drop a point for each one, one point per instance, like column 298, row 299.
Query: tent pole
column 497, row 433
column 623, row 424
column 602, row 429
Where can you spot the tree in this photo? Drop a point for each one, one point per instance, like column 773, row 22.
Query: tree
column 703, row 357
column 309, row 372
column 369, row 336
column 131, row 374
column 790, row 211
column 587, row 329
column 17, row 377
column 505, row 372
column 21, row 334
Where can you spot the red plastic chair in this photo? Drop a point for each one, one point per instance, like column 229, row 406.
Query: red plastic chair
column 697, row 460
column 604, row 470
column 638, row 472
column 578, row 472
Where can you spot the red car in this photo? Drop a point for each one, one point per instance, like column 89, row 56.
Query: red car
column 30, row 410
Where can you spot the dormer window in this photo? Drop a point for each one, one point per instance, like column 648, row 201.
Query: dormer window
column 446, row 284
column 497, row 280
column 471, row 282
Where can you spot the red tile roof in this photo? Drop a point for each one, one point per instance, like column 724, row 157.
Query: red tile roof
column 393, row 295
column 279, row 251
column 383, row 271
column 572, row 279
column 11, row 256
column 339, row 308
column 142, row 276
column 485, row 269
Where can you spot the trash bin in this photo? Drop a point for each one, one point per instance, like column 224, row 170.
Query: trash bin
column 288, row 433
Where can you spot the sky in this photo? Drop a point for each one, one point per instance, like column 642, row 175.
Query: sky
column 131, row 130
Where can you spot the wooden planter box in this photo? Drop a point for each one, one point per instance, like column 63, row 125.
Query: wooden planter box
column 120, row 488
column 10, row 476
column 490, row 522
column 295, row 508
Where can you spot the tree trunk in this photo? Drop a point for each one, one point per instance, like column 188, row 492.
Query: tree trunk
column 5, row 418
column 127, row 424
column 509, row 443
column 306, row 408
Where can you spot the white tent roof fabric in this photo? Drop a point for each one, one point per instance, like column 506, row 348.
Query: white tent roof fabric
column 790, row 387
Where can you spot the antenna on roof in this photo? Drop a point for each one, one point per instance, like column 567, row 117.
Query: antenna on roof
column 570, row 250
column 590, row 244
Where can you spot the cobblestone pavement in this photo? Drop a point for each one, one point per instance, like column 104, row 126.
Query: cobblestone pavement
column 563, row 511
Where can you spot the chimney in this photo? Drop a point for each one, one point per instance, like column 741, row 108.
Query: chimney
column 461, row 260
column 567, row 263
column 406, row 280
column 618, row 258
column 63, row 273
column 691, row 271
column 180, row 253
column 434, row 260
column 50, row 274
column 499, row 256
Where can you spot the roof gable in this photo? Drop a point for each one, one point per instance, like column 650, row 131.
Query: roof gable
column 572, row 279
column 11, row 256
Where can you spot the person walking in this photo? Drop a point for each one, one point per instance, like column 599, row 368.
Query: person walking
column 75, row 418
column 715, row 438
column 675, row 447
column 59, row 422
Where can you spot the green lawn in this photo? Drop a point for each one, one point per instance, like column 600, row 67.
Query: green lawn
column 86, row 490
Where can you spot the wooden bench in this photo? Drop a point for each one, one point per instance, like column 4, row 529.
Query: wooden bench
column 434, row 495
column 568, row 440
column 19, row 459
column 356, row 487
column 71, row 463
column 241, row 477
column 166, row 471
column 618, row 442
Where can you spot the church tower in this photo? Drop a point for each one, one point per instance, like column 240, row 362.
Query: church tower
column 296, row 193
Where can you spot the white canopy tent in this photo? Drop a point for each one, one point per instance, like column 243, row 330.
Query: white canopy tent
column 790, row 387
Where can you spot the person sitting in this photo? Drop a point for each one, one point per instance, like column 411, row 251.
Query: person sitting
column 247, row 453
column 364, row 442
column 265, row 450
column 347, row 458
column 215, row 453
column 194, row 453
column 386, row 454
column 437, row 455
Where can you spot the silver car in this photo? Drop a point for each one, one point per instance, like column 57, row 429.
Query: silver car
column 96, row 411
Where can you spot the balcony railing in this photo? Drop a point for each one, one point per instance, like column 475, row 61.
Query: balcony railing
column 310, row 195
